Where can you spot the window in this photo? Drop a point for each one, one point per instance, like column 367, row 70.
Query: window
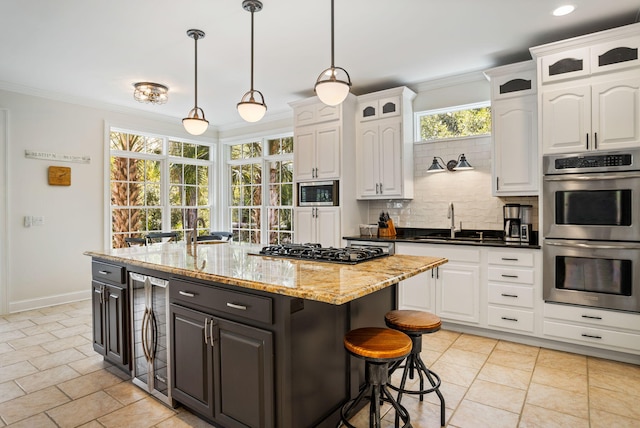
column 453, row 122
column 157, row 184
column 261, row 178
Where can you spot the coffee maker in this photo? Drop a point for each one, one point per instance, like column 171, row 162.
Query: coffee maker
column 525, row 224
column 511, row 214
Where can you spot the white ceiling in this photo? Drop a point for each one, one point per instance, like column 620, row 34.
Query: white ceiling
column 96, row 50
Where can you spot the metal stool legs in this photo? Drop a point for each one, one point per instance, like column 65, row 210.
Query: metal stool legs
column 413, row 363
column 376, row 391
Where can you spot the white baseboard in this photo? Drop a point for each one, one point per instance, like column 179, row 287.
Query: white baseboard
column 43, row 302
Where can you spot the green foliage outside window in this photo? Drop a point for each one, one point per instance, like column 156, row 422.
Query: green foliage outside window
column 455, row 124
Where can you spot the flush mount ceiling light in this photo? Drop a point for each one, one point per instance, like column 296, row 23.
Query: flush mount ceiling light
column 333, row 84
column 195, row 123
column 249, row 108
column 148, row 92
column 453, row 165
column 563, row 10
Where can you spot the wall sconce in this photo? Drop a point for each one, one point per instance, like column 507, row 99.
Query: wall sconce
column 453, row 165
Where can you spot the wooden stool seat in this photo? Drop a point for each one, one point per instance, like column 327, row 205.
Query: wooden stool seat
column 377, row 343
column 413, row 321
column 414, row 324
column 378, row 347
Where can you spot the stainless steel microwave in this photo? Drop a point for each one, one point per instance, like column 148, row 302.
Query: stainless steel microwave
column 318, row 193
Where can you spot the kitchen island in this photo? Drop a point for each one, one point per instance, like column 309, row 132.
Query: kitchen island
column 254, row 341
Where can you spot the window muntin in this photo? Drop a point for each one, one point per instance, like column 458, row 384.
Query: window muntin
column 145, row 197
column 453, row 122
column 261, row 181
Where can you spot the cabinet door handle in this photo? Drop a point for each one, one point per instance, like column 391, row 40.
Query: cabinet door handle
column 186, row 294
column 509, row 295
column 235, row 306
column 211, row 324
column 113, row 296
column 591, row 317
column 591, row 336
column 595, row 140
column 510, row 259
column 509, row 319
column 497, row 183
column 504, row 275
column 587, row 141
column 206, row 321
column 381, row 188
column 104, row 272
column 377, row 188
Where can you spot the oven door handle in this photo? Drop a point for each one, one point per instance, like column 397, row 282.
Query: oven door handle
column 582, row 244
column 576, row 177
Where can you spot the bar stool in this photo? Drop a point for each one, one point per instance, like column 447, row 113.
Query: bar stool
column 414, row 324
column 377, row 347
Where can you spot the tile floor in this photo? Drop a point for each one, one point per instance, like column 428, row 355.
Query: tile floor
column 51, row 377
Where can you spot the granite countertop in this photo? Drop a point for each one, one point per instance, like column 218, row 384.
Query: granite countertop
column 237, row 264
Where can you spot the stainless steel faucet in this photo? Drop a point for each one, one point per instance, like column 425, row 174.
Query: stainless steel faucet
column 451, row 215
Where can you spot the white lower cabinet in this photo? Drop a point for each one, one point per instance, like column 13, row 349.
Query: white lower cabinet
column 511, row 289
column 611, row 330
column 451, row 290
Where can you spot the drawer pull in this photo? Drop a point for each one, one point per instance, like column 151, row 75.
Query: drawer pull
column 510, row 259
column 509, row 276
column 591, row 336
column 186, row 294
column 234, row 306
column 591, row 317
column 509, row 295
column 509, row 319
column 104, row 272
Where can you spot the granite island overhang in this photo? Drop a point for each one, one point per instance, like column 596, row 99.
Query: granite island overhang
column 250, row 340
column 237, row 265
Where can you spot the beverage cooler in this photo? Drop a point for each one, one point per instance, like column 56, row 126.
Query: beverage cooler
column 150, row 312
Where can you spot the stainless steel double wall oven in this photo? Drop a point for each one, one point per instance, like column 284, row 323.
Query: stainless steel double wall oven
column 591, row 220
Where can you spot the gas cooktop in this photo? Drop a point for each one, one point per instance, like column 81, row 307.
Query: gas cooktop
column 315, row 252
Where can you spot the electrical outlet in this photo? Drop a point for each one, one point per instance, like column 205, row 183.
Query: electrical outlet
column 27, row 221
column 37, row 220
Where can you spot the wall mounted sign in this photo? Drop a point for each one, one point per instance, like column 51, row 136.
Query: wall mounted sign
column 31, row 154
column 59, row 176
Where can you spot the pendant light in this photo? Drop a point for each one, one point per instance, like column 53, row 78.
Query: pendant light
column 195, row 123
column 249, row 108
column 333, row 84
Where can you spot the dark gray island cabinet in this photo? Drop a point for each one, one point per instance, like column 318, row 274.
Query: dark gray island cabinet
column 247, row 353
column 110, row 313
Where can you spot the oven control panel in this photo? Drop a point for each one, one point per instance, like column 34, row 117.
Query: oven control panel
column 594, row 161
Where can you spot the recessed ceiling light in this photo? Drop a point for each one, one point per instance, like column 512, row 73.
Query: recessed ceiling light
column 564, row 10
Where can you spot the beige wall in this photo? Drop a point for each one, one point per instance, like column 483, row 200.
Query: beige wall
column 45, row 264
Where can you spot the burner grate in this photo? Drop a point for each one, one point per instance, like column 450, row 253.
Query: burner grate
column 315, row 252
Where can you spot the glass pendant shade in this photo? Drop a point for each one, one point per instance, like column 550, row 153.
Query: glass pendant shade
column 193, row 123
column 330, row 89
column 250, row 109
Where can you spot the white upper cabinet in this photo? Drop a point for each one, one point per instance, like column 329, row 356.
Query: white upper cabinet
column 317, row 152
column 602, row 116
column 590, row 91
column 514, row 113
column 384, row 145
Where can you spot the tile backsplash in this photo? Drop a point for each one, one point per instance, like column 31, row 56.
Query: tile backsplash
column 469, row 191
